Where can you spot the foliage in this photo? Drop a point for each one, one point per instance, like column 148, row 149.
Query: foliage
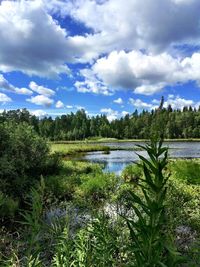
column 140, row 237
column 24, row 156
column 151, row 244
column 187, row 208
column 69, row 149
column 8, row 206
column 187, row 171
column 82, row 182
column 96, row 187
column 132, row 173
column 79, row 126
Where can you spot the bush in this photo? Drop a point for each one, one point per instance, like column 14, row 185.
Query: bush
column 132, row 173
column 24, row 157
column 96, row 187
column 8, row 206
column 62, row 186
column 187, row 171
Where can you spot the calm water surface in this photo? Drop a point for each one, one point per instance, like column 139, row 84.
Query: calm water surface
column 117, row 160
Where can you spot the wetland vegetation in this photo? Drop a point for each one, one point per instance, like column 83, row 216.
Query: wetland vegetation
column 57, row 211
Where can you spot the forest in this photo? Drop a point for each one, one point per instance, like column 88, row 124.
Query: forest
column 78, row 126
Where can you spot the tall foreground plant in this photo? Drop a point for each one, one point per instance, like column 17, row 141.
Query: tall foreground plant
column 151, row 243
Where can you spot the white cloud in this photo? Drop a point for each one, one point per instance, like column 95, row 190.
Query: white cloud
column 138, row 103
column 5, row 85
column 149, row 89
column 142, row 73
column 34, row 43
column 41, row 100
column 91, row 84
column 31, row 41
column 110, row 114
column 59, row 104
column 124, row 113
column 69, row 107
column 4, row 98
column 39, row 113
column 41, row 89
column 178, row 102
column 170, row 96
column 151, row 24
column 79, row 107
column 118, row 101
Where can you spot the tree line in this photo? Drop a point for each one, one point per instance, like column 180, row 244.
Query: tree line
column 79, row 126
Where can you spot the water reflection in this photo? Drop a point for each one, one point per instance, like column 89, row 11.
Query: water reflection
column 117, row 160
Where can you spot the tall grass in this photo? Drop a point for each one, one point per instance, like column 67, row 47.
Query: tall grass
column 139, row 238
column 70, row 149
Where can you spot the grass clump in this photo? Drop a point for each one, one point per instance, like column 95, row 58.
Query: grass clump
column 70, row 149
column 96, row 188
column 8, row 206
column 132, row 173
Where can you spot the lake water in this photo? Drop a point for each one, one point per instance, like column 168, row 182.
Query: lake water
column 117, row 160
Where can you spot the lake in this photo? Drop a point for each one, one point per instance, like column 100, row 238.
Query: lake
column 117, row 160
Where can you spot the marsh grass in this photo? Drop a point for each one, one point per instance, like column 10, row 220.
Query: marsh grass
column 70, row 149
column 186, row 171
column 184, row 190
column 140, row 238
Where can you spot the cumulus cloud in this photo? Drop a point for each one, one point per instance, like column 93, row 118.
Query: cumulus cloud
column 34, row 43
column 142, row 73
column 79, row 107
column 91, row 84
column 110, row 113
column 176, row 102
column 69, row 106
column 39, row 113
column 151, row 24
column 5, row 85
column 138, row 103
column 4, row 98
column 41, row 100
column 59, row 104
column 31, row 41
column 118, row 101
column 41, row 89
column 124, row 113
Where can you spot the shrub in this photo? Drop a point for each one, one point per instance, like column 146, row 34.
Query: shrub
column 187, row 171
column 132, row 173
column 96, row 187
column 24, row 157
column 62, row 186
column 8, row 206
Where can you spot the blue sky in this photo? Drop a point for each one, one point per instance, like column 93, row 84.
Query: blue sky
column 104, row 56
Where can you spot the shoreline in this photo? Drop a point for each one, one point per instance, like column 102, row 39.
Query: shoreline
column 120, row 141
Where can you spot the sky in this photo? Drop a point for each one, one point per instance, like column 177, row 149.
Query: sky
column 106, row 56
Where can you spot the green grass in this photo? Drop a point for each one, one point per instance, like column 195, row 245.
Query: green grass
column 83, row 183
column 184, row 194
column 102, row 242
column 70, row 149
column 187, row 171
column 115, row 140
